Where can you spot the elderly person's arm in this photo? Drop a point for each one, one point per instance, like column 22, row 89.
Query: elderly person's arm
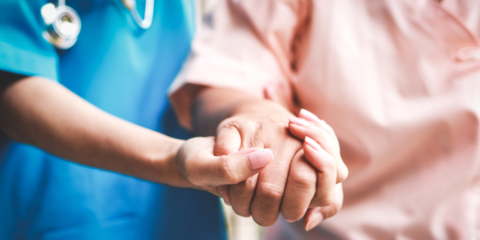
column 245, row 46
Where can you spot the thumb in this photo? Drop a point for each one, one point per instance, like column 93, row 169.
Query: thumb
column 236, row 167
column 228, row 140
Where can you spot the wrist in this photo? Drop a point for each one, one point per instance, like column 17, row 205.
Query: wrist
column 262, row 109
column 157, row 161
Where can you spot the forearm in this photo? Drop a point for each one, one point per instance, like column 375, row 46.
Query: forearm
column 47, row 115
column 213, row 105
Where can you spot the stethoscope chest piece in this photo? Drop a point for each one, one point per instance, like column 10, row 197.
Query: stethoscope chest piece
column 63, row 25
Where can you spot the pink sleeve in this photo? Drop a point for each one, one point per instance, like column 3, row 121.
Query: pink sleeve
column 244, row 45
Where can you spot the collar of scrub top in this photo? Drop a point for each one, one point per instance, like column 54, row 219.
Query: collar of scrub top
column 63, row 23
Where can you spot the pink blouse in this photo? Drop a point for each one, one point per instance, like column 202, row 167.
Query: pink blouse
column 398, row 80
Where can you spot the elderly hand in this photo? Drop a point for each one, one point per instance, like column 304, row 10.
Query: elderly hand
column 289, row 185
column 321, row 150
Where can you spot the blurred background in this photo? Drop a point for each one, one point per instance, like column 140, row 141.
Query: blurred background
column 239, row 228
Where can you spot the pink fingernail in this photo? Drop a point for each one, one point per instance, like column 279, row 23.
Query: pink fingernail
column 314, row 220
column 290, row 221
column 260, row 158
column 298, row 121
column 309, row 116
column 313, row 143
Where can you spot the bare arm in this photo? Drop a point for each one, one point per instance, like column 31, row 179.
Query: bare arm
column 213, row 105
column 42, row 113
column 45, row 114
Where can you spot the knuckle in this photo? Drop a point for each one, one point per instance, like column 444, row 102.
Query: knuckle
column 320, row 135
column 228, row 123
column 323, row 201
column 328, row 200
column 329, row 164
column 223, row 149
column 266, row 207
column 250, row 184
column 324, row 196
column 305, row 182
column 245, row 188
column 270, row 192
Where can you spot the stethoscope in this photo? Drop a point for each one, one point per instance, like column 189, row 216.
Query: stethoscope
column 63, row 23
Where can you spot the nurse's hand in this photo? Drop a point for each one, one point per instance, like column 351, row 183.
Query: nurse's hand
column 322, row 151
column 206, row 172
column 312, row 127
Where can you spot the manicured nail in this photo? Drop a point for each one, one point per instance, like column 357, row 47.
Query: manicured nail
column 309, row 116
column 313, row 144
column 260, row 158
column 298, row 121
column 290, row 221
column 314, row 220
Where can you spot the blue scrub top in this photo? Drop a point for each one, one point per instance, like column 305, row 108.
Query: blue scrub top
column 123, row 70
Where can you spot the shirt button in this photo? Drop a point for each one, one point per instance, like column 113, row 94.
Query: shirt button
column 468, row 53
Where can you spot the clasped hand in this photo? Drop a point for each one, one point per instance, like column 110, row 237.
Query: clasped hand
column 265, row 166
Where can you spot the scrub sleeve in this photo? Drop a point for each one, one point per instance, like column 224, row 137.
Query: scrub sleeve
column 23, row 49
column 126, row 72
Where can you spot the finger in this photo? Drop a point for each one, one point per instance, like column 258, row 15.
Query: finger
column 224, row 192
column 228, row 140
column 312, row 218
column 232, row 168
column 333, row 209
column 242, row 195
column 265, row 207
column 327, row 173
column 309, row 116
column 301, row 129
column 315, row 215
column 300, row 188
